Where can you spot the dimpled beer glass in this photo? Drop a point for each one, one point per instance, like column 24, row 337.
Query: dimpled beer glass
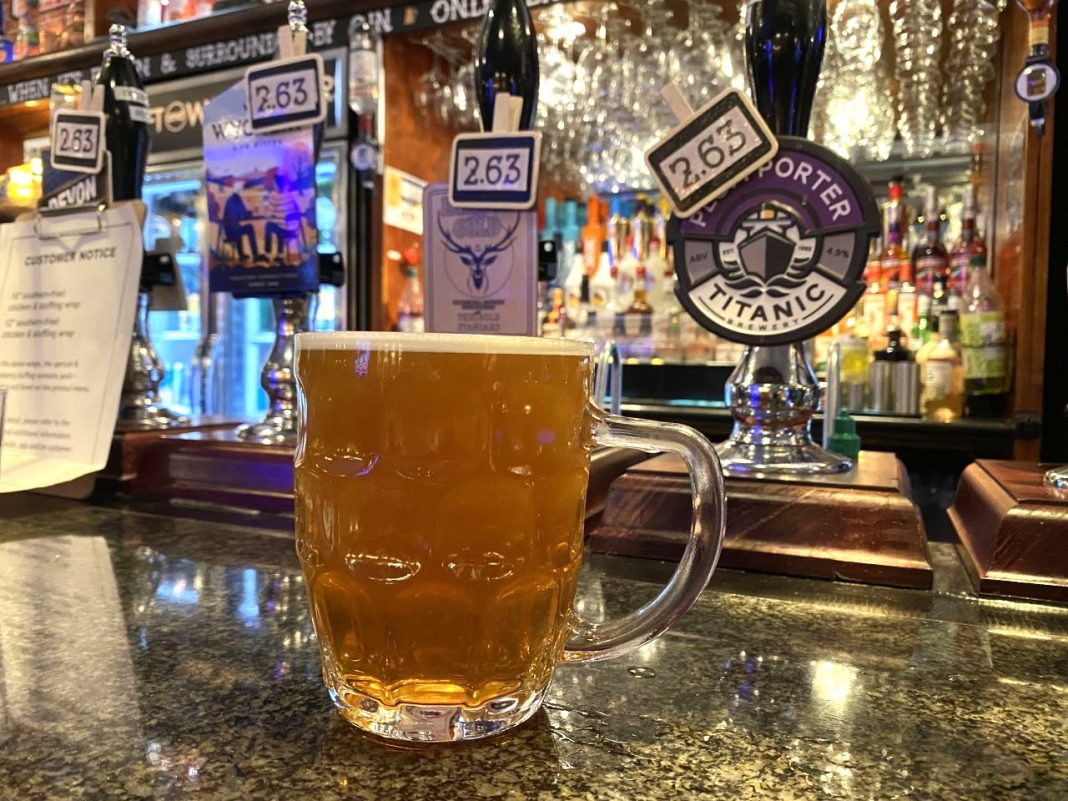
column 440, row 493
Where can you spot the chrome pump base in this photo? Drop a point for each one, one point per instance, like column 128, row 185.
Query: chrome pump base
column 772, row 395
column 139, row 408
column 279, row 425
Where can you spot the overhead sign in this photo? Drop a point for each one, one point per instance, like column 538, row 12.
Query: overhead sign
column 249, row 48
column 780, row 257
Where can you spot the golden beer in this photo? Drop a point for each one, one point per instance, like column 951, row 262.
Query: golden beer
column 440, row 487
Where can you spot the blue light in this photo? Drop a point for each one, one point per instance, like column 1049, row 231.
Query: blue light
column 249, row 609
column 177, row 591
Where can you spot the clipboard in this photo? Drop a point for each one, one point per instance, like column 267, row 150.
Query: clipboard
column 68, row 292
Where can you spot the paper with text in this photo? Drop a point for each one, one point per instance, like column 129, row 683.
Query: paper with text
column 68, row 292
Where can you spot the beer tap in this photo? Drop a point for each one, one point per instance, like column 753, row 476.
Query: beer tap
column 506, row 60
column 773, row 392
column 292, row 317
column 126, row 113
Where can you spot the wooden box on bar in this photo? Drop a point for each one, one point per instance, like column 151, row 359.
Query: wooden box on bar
column 216, row 467
column 860, row 526
column 1013, row 529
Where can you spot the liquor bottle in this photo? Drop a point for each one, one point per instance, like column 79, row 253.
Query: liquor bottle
column 550, row 272
column 894, row 264
column 365, row 153
column 7, row 47
column 933, row 338
column 896, row 350
column 638, row 318
column 410, row 308
column 784, row 45
column 555, row 324
column 881, row 368
column 667, row 319
column 363, row 68
column 586, row 318
column 592, row 235
column 1039, row 12
column 942, row 396
column 570, row 237
column 618, row 303
column 641, row 231
column 929, row 258
column 27, row 37
column 921, row 331
column 984, row 346
column 939, row 296
column 507, row 60
column 871, row 268
column 622, row 261
column 127, row 115
column 908, row 309
column 602, row 294
column 853, row 362
column 657, row 260
column 970, row 248
column 875, row 314
column 617, row 230
column 73, row 34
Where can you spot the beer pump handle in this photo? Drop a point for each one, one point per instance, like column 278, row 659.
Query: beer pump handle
column 784, row 42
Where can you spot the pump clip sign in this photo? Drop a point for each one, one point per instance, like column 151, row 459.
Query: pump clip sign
column 780, row 256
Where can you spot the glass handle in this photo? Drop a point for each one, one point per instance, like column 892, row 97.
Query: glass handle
column 608, row 362
column 594, row 641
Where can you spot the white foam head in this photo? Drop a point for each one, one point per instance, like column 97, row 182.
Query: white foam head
column 442, row 343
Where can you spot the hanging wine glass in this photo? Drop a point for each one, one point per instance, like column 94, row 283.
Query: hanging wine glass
column 974, row 38
column 918, row 49
column 427, row 89
column 463, row 97
column 853, row 113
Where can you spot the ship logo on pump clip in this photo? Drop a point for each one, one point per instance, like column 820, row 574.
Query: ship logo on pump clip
column 769, row 253
column 780, row 256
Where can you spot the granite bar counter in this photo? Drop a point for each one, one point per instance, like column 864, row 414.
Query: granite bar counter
column 148, row 656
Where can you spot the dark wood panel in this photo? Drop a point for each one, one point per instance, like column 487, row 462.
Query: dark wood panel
column 213, row 466
column 1020, row 239
column 1013, row 530
column 16, row 124
column 858, row 527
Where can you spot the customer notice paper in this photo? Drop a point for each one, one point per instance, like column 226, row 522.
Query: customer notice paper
column 68, row 292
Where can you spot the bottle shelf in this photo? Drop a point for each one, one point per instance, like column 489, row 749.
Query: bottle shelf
column 30, row 79
column 946, row 168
